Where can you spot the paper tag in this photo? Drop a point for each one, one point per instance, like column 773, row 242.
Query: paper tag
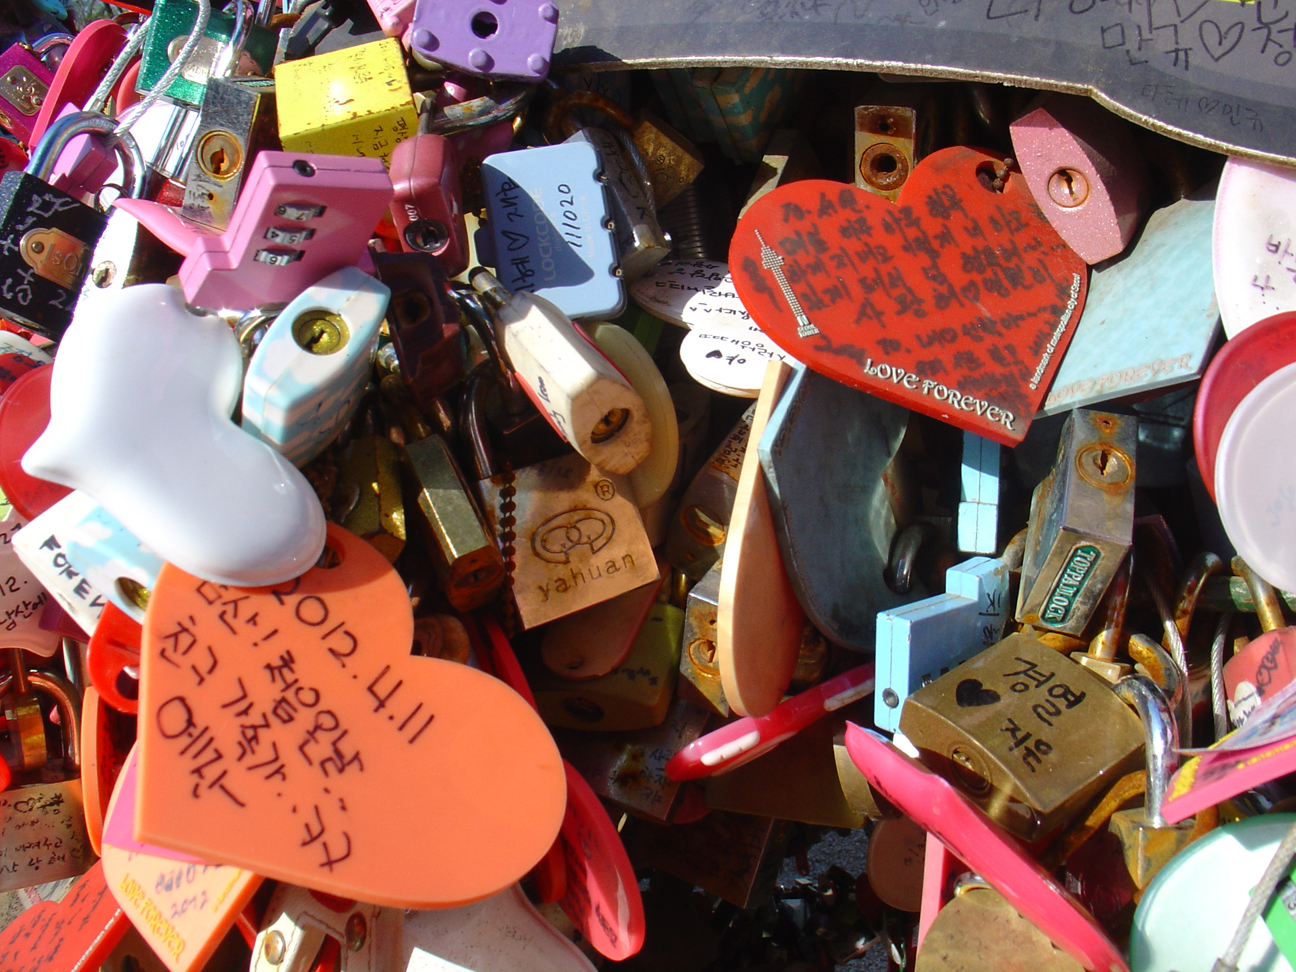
column 691, row 293
column 958, row 301
column 181, row 908
column 42, row 834
column 22, row 598
column 730, row 361
column 1254, row 243
column 290, row 731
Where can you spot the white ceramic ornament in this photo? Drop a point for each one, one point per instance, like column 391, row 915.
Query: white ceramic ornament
column 1254, row 246
column 140, row 400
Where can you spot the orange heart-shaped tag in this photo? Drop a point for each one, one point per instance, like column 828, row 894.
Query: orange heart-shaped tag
column 957, row 301
column 288, row 730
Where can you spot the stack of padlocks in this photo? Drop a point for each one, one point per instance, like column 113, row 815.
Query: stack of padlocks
column 359, row 604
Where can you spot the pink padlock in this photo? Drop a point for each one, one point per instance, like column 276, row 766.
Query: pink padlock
column 426, row 205
column 299, row 218
column 84, row 166
column 24, row 86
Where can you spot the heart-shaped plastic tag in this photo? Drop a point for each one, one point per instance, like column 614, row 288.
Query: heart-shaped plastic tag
column 957, row 301
column 289, row 730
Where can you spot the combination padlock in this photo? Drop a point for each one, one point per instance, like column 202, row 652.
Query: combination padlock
column 46, row 235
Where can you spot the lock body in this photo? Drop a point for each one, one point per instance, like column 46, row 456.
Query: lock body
column 168, row 29
column 1081, row 522
column 369, row 481
column 641, row 245
column 1029, row 735
column 466, row 560
column 299, row 219
column 424, row 325
column 354, row 102
column 24, row 85
column 917, row 643
column 46, row 238
column 699, row 666
column 426, row 206
column 305, row 379
column 885, row 147
column 550, row 229
column 236, row 121
column 578, row 537
column 504, row 39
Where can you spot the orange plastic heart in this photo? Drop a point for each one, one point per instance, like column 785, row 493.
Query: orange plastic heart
column 288, row 730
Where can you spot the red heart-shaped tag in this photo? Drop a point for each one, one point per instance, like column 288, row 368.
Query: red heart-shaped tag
column 957, row 301
column 71, row 935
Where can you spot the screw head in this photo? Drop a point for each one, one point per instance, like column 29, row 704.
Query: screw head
column 274, row 947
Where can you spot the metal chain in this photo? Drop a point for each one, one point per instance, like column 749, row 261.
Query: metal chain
column 507, row 548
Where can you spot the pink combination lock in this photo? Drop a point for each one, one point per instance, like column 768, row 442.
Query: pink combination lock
column 299, row 218
column 24, row 86
column 426, row 205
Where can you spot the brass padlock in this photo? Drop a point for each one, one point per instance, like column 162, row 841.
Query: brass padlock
column 42, row 818
column 1081, row 522
column 698, row 665
column 1029, row 735
column 570, row 533
column 368, row 493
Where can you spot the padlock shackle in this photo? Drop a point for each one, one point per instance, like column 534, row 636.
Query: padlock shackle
column 474, row 113
column 68, row 700
column 472, row 420
column 61, row 132
column 226, row 60
column 1111, row 612
column 1160, row 737
column 1268, row 604
column 1203, row 566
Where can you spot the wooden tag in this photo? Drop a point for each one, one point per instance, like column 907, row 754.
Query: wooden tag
column 958, row 301
column 72, row 935
column 289, row 730
column 758, row 618
column 181, row 909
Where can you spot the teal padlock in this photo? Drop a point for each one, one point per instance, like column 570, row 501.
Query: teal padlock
column 168, row 29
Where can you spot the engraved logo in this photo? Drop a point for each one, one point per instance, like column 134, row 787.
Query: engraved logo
column 555, row 538
column 1071, row 581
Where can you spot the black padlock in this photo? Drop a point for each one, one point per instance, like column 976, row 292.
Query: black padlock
column 47, row 236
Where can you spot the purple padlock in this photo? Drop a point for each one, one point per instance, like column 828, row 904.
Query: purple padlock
column 490, row 38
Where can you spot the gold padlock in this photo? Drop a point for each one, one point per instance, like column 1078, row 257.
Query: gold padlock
column 1029, row 735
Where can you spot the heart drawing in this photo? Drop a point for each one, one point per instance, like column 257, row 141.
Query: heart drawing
column 970, row 693
column 957, row 301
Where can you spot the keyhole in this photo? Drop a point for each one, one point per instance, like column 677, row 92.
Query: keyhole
column 1068, row 188
column 609, row 425
column 219, row 155
column 320, row 332
column 484, row 24
column 1103, row 459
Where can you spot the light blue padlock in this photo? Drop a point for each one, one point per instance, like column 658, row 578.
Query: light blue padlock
column 549, row 230
column 978, row 509
column 306, row 377
column 85, row 558
column 918, row 642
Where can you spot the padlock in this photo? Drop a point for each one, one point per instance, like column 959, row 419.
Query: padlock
column 1086, row 171
column 24, row 85
column 236, row 121
column 42, row 824
column 1264, row 666
column 581, row 539
column 628, row 769
column 695, row 541
column 504, row 39
column 730, row 855
column 549, row 228
column 427, row 203
column 1081, row 522
column 592, row 642
column 920, row 642
column 573, row 385
column 298, row 219
column 231, row 36
column 1110, row 638
column 86, row 558
column 423, row 323
column 980, row 931
column 125, row 254
column 1148, row 840
column 298, row 922
column 635, row 694
column 22, row 713
column 1028, row 735
column 367, row 493
column 337, row 108
column 50, row 232
column 888, row 144
column 698, row 665
column 305, row 380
